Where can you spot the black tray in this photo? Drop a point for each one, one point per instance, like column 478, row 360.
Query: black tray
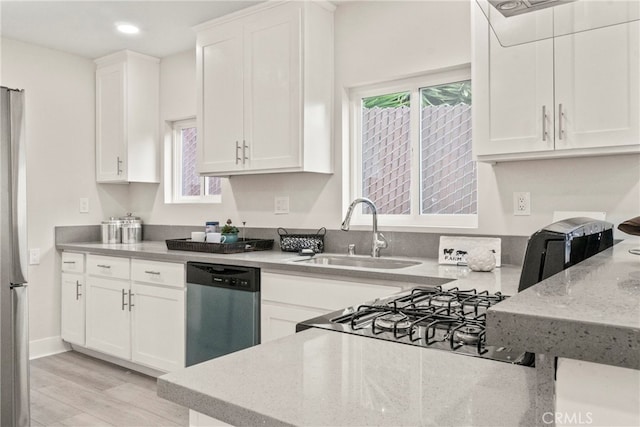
column 242, row 245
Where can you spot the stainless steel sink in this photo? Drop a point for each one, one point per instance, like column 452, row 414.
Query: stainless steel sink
column 357, row 261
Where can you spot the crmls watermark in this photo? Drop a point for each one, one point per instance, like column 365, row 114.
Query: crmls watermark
column 570, row 418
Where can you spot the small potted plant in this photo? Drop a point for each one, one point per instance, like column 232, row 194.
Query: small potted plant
column 230, row 232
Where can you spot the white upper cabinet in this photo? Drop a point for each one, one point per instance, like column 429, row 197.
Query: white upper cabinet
column 574, row 95
column 598, row 88
column 265, row 90
column 127, row 114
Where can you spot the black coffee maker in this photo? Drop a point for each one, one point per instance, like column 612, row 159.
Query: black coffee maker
column 562, row 244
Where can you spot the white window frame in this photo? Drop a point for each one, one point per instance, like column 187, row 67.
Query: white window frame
column 175, row 163
column 354, row 160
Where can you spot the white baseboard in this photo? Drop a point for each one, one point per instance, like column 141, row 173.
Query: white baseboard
column 46, row 347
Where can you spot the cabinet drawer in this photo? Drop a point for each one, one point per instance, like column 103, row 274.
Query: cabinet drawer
column 323, row 294
column 72, row 263
column 106, row 266
column 158, row 273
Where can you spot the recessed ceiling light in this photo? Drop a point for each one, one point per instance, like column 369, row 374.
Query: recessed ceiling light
column 128, row 28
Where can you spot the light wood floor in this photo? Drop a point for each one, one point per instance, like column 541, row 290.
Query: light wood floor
column 71, row 389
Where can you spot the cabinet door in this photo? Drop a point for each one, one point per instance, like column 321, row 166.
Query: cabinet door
column 157, row 327
column 272, row 97
column 72, row 308
column 220, row 102
column 107, row 313
column 598, row 86
column 111, row 123
column 278, row 320
column 513, row 94
column 288, row 299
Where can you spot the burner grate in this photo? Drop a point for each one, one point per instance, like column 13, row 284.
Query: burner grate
column 430, row 316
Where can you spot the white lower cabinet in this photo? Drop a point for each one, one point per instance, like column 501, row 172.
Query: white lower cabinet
column 590, row 393
column 198, row 419
column 72, row 308
column 157, row 326
column 135, row 310
column 278, row 320
column 108, row 316
column 72, row 301
column 287, row 299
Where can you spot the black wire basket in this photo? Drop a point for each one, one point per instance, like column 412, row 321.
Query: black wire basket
column 295, row 242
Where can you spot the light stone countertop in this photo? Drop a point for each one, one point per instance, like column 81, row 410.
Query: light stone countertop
column 590, row 311
column 428, row 272
column 326, row 378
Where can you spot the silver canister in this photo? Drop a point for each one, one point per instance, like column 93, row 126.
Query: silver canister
column 111, row 230
column 131, row 228
column 131, row 233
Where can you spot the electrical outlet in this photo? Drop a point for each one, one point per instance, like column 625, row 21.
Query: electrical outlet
column 84, row 205
column 34, row 256
column 522, row 203
column 281, row 205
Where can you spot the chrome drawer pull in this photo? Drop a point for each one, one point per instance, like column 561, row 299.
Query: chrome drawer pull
column 104, row 266
column 544, row 123
column 244, row 151
column 560, row 119
column 130, row 304
column 78, row 294
column 157, row 273
column 124, row 293
column 68, row 262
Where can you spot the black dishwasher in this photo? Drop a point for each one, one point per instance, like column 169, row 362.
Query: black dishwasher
column 223, row 310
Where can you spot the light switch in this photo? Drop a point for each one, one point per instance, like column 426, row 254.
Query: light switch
column 34, row 256
column 282, row 205
column 84, row 205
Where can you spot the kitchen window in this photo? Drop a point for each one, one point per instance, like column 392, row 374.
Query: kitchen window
column 188, row 186
column 411, row 151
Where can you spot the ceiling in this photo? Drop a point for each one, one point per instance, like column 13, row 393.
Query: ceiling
column 87, row 28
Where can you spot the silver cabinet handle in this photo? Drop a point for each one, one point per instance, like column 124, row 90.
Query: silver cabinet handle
column 157, row 273
column 104, row 266
column 124, row 293
column 244, row 151
column 130, row 303
column 119, row 163
column 78, row 294
column 68, row 262
column 560, row 124
column 544, row 123
column 237, row 149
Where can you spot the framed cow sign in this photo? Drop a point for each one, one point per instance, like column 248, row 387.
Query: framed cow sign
column 453, row 249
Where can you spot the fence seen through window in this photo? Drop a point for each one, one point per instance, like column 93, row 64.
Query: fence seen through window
column 447, row 183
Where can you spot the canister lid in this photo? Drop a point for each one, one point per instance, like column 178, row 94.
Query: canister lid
column 112, row 220
column 129, row 218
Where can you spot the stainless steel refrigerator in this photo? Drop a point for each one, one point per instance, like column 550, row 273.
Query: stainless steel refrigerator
column 14, row 328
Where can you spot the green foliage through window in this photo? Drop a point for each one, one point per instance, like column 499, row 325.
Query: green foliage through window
column 447, row 94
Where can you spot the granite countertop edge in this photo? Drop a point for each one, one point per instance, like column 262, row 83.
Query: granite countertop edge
column 212, row 389
column 589, row 312
column 512, row 323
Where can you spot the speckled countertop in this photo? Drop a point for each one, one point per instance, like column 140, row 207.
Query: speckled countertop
column 428, row 272
column 589, row 312
column 319, row 377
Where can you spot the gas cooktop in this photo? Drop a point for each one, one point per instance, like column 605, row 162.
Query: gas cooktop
column 451, row 320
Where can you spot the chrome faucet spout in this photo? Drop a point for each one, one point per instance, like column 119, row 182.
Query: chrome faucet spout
column 378, row 241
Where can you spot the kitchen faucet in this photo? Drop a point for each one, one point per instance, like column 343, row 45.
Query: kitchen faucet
column 378, row 241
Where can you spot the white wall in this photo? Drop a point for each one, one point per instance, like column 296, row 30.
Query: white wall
column 60, row 138
column 407, row 38
column 315, row 200
column 374, row 42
